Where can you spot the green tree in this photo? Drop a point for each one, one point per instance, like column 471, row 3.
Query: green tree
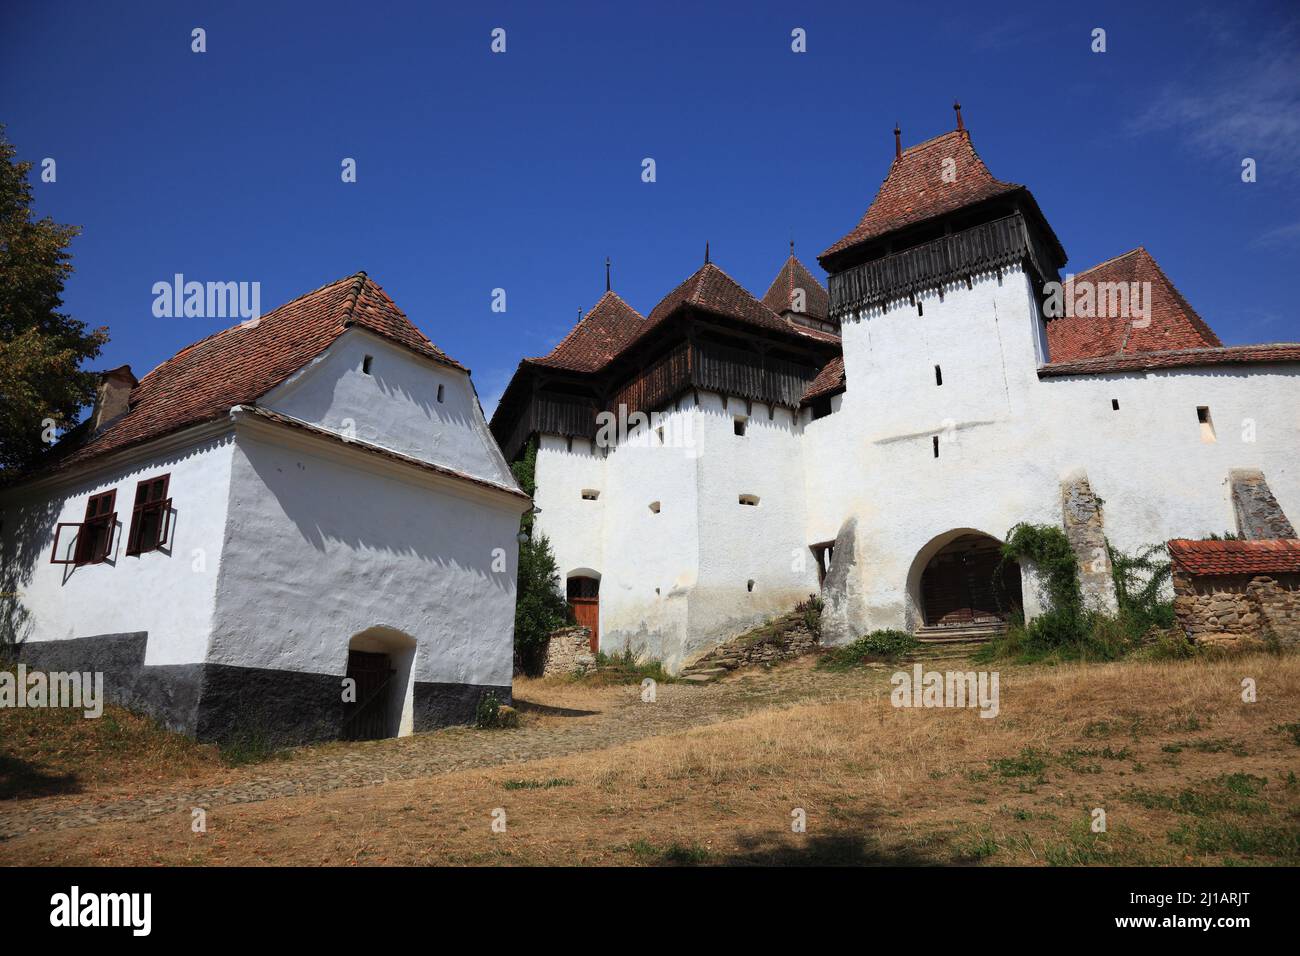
column 41, row 348
column 540, row 606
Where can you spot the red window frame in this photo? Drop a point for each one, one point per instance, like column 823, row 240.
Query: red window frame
column 150, row 516
column 94, row 541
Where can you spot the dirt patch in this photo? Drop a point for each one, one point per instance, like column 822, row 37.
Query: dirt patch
column 1184, row 771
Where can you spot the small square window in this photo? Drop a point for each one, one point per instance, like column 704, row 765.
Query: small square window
column 738, row 425
column 749, row 500
column 654, row 507
column 366, row 363
column 1114, row 404
column 590, row 494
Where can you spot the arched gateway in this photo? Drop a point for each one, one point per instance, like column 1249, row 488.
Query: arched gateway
column 960, row 581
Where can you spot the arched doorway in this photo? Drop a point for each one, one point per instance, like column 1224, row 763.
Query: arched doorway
column 966, row 583
column 583, row 592
column 381, row 663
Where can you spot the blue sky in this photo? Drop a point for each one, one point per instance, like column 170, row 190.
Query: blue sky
column 522, row 170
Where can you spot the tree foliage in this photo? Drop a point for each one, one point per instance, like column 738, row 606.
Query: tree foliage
column 540, row 605
column 42, row 385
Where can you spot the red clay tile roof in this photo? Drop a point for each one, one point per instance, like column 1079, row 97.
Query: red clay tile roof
column 794, row 275
column 237, row 366
column 1277, row 556
column 597, row 338
column 710, row 289
column 915, row 189
column 1172, row 323
column 828, row 381
column 1181, row 358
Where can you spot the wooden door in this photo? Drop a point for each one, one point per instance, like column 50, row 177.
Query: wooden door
column 584, row 598
column 367, row 718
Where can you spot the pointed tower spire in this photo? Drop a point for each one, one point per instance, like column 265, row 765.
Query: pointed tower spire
column 957, row 107
column 607, row 273
column 898, row 142
column 792, row 245
column 706, row 252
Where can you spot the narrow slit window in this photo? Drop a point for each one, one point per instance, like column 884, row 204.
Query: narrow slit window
column 938, row 375
column 749, row 585
column 590, row 494
column 738, row 425
column 440, row 392
column 366, row 363
column 1114, row 404
column 660, row 433
column 935, row 442
column 654, row 507
column 1207, row 423
column 751, row 500
column 920, row 309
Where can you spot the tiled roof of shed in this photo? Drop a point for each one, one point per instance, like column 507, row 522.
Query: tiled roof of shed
column 1276, row 556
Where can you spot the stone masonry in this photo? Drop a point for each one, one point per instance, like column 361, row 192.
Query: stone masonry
column 1212, row 608
column 569, row 652
column 1259, row 516
column 1085, row 529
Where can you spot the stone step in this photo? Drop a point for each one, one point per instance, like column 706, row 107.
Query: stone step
column 699, row 678
column 959, row 635
column 697, row 669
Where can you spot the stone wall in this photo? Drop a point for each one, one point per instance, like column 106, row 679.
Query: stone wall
column 1259, row 516
column 569, row 652
column 1236, row 606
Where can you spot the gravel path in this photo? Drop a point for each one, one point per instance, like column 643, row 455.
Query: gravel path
column 622, row 719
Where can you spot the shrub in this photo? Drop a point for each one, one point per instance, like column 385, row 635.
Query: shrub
column 811, row 612
column 884, row 645
column 491, row 713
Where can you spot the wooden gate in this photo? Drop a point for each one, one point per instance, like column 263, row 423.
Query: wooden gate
column 367, row 718
column 963, row 585
column 584, row 598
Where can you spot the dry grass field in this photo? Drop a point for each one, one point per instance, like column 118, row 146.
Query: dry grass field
column 1185, row 771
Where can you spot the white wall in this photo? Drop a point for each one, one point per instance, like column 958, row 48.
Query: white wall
column 765, row 543
column 395, row 406
column 321, row 546
column 1007, row 438
column 169, row 593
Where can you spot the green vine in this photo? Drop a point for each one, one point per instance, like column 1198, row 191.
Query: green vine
column 1048, row 549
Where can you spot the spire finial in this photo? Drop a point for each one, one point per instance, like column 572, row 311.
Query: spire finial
column 706, row 252
column 792, row 245
column 607, row 273
column 898, row 142
column 957, row 107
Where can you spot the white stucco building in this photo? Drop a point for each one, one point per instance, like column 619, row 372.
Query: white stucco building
column 288, row 503
column 879, row 440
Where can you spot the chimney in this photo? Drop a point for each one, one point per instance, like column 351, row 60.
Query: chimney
column 112, row 397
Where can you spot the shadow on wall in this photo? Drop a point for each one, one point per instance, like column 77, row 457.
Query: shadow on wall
column 26, row 533
column 400, row 523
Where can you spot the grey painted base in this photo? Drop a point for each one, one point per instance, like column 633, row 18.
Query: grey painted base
column 224, row 703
